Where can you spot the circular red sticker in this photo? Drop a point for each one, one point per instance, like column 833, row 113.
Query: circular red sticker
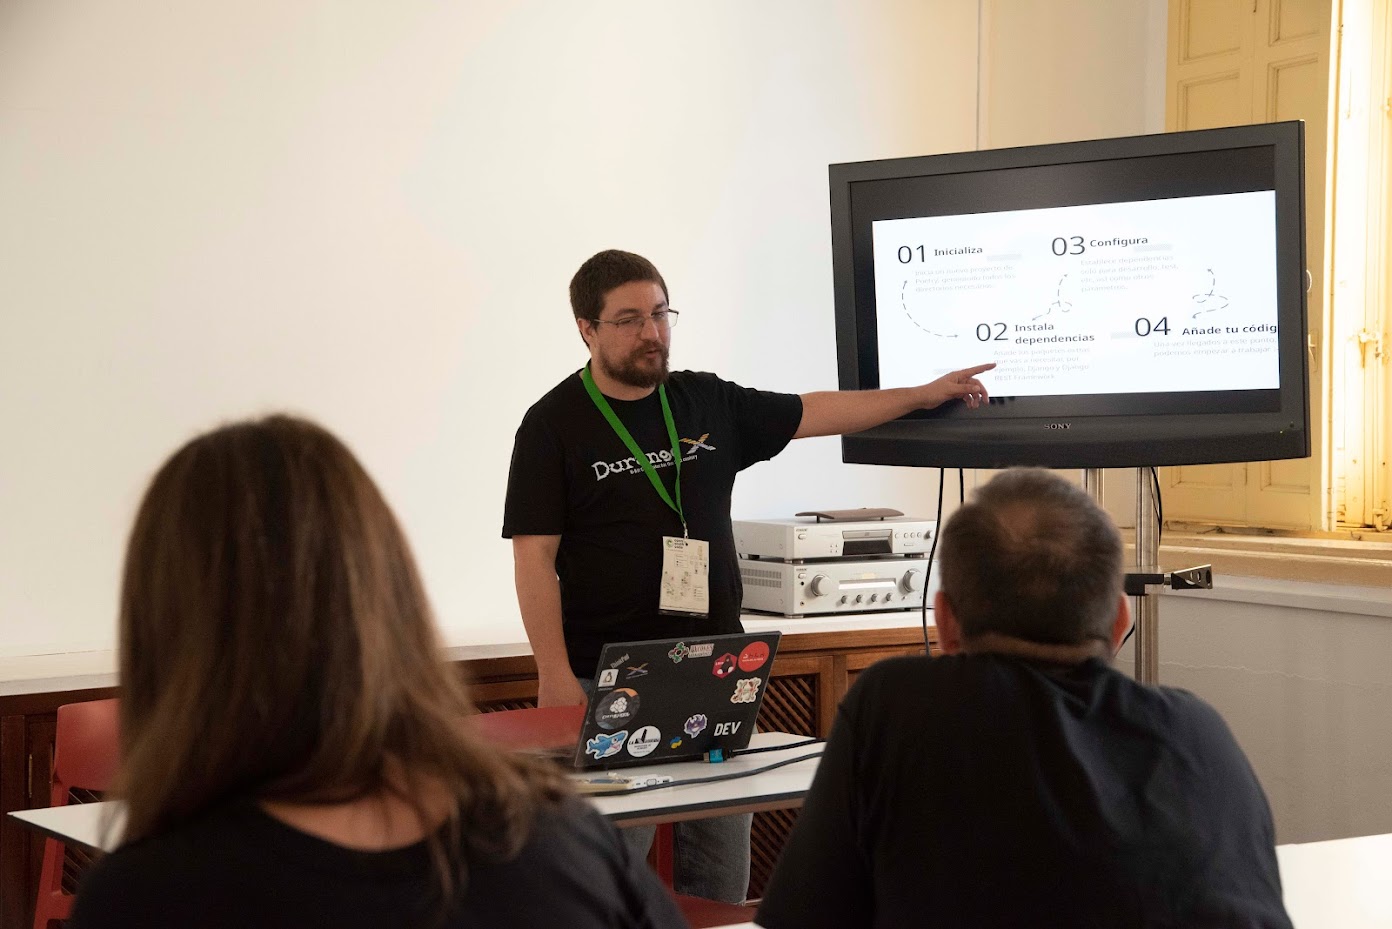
column 753, row 656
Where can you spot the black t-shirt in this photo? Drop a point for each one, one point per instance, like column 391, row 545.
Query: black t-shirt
column 572, row 476
column 986, row 791
column 238, row 867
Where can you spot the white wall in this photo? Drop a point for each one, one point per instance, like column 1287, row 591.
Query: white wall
column 1299, row 673
column 1065, row 70
column 369, row 212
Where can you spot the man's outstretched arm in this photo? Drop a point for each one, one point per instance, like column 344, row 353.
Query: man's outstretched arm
column 837, row 412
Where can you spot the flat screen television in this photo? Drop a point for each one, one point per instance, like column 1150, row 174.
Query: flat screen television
column 1143, row 299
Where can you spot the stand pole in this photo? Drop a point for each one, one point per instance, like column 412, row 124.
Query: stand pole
column 1092, row 485
column 1145, row 610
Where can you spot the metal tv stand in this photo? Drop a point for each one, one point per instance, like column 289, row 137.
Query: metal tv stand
column 1147, row 577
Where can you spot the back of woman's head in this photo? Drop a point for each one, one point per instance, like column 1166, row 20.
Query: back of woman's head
column 276, row 641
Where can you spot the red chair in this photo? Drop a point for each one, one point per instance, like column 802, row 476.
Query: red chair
column 558, row 727
column 85, row 753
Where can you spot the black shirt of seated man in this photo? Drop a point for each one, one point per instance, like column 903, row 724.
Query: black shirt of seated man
column 572, row 476
column 993, row 791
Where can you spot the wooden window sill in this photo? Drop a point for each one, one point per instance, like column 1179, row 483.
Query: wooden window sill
column 1365, row 562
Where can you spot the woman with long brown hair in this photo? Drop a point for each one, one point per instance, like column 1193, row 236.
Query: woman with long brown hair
column 293, row 745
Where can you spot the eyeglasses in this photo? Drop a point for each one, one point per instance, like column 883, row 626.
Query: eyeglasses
column 632, row 325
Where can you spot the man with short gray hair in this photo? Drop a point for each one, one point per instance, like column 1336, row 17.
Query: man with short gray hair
column 1023, row 781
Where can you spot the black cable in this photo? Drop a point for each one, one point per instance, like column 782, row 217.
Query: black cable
column 1126, row 638
column 775, row 748
column 961, row 488
column 1159, row 506
column 728, row 776
column 932, row 550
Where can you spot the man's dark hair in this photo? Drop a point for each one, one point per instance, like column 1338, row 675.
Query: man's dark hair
column 1033, row 557
column 602, row 273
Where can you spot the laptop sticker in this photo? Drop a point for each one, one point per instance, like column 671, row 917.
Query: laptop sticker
column 644, row 741
column 608, row 677
column 695, row 725
column 723, row 729
column 676, row 742
column 753, row 656
column 606, row 744
column 682, row 650
column 637, row 670
column 746, row 691
column 616, row 708
column 724, row 665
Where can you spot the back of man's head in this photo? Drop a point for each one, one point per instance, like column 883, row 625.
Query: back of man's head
column 1033, row 557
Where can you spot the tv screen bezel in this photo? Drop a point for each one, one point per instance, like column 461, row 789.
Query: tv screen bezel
column 1096, row 430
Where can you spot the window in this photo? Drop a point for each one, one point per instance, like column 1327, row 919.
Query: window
column 1239, row 61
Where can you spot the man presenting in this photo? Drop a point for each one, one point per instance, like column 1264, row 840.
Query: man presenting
column 1022, row 781
column 618, row 500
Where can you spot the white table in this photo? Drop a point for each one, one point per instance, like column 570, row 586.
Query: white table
column 780, row 789
column 1339, row 884
column 99, row 825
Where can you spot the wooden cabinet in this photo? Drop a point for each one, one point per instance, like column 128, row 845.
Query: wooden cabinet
column 810, row 676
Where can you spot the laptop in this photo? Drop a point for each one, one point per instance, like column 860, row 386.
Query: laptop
column 674, row 699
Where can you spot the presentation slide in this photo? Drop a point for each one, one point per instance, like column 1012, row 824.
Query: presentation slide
column 1138, row 297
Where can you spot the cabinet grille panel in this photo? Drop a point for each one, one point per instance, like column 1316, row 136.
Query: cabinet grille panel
column 76, row 859
column 524, row 703
column 766, row 840
column 790, row 705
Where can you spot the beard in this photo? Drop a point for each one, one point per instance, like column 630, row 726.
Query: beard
column 640, row 368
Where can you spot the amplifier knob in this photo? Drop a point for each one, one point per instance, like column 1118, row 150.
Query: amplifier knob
column 911, row 581
column 821, row 585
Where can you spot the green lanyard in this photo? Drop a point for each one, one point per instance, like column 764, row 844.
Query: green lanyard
column 619, row 429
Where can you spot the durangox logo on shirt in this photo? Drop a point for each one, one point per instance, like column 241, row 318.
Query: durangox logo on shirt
column 662, row 459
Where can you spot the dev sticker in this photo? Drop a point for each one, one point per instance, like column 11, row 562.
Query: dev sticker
column 608, row 677
column 746, row 691
column 644, row 741
column 616, row 708
column 606, row 744
column 695, row 725
column 753, row 656
column 676, row 742
column 724, row 666
column 636, row 670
